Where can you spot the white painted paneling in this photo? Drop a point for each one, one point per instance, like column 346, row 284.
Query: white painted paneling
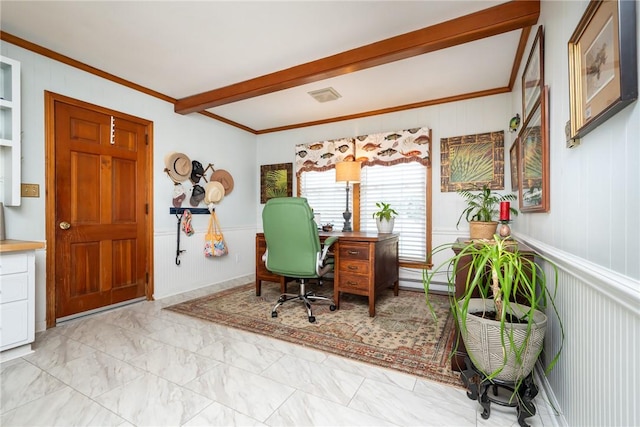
column 196, row 271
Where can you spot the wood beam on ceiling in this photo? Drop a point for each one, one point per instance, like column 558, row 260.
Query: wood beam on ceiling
column 485, row 23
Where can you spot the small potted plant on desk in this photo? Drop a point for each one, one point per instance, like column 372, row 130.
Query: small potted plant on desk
column 481, row 210
column 500, row 318
column 385, row 217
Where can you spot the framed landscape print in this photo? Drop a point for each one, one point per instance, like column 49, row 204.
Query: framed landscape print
column 603, row 70
column 276, row 181
column 533, row 76
column 533, row 182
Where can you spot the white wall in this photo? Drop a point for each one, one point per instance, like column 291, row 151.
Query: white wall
column 199, row 137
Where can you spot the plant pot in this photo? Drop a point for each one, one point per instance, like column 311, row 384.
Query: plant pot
column 482, row 339
column 482, row 230
column 385, row 226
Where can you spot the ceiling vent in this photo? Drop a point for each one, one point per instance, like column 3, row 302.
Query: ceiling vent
column 325, row 95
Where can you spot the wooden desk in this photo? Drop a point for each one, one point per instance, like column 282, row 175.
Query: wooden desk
column 364, row 264
column 461, row 274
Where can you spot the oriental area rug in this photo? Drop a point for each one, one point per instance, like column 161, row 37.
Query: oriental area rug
column 402, row 336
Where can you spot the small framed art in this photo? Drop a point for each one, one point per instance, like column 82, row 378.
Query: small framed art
column 276, row 181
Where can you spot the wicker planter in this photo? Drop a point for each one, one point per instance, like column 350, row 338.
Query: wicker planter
column 483, row 341
column 482, row 230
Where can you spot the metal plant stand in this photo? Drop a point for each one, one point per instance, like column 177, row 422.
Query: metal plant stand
column 478, row 389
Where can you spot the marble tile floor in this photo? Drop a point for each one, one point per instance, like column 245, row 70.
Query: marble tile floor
column 143, row 366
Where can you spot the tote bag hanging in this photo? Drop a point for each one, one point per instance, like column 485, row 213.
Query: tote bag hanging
column 214, row 244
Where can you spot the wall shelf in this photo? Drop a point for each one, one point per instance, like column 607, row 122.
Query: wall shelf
column 10, row 130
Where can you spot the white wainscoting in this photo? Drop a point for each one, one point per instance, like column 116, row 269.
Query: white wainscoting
column 195, row 271
column 596, row 379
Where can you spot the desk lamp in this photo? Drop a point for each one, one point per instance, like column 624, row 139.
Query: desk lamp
column 349, row 172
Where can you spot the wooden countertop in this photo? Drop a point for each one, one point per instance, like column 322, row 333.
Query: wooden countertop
column 11, row 245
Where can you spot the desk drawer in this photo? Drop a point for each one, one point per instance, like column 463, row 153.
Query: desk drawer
column 351, row 251
column 354, row 282
column 357, row 266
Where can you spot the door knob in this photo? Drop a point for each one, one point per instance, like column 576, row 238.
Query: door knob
column 65, row 225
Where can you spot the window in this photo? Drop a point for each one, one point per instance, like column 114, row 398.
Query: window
column 403, row 185
column 325, row 196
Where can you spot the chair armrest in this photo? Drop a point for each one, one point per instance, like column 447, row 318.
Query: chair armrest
column 327, row 244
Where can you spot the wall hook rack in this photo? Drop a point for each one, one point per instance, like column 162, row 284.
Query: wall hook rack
column 179, row 213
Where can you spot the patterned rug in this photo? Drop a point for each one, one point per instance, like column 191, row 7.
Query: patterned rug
column 402, row 335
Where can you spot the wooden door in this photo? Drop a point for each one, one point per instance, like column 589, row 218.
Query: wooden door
column 101, row 241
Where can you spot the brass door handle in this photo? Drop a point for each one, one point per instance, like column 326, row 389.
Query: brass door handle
column 65, row 225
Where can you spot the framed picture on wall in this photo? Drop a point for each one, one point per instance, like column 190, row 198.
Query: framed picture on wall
column 533, row 76
column 468, row 162
column 276, row 181
column 603, row 71
column 514, row 155
column 533, row 176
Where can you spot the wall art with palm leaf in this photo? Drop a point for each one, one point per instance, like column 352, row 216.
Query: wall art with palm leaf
column 276, row 181
column 534, row 159
column 472, row 161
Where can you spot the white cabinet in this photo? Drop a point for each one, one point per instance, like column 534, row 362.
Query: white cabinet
column 17, row 303
column 10, row 130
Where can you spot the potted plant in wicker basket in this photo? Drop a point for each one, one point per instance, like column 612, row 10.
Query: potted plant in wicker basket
column 481, row 210
column 501, row 314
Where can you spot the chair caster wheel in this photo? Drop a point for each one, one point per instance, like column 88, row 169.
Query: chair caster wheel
column 274, row 314
column 332, row 307
column 312, row 319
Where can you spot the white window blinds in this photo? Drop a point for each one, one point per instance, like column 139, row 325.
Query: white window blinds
column 326, row 197
column 404, row 187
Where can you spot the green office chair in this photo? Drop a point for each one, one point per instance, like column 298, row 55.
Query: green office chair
column 293, row 248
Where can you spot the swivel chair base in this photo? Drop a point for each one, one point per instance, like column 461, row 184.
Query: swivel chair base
column 302, row 296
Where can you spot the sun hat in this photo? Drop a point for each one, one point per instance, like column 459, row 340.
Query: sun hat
column 197, row 194
column 214, row 192
column 178, row 195
column 178, row 166
column 224, row 178
column 196, row 171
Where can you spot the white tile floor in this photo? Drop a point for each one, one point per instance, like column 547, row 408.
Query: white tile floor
column 144, row 366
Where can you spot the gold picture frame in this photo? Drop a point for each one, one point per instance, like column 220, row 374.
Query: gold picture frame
column 471, row 161
column 533, row 75
column 603, row 70
column 533, row 159
column 276, row 181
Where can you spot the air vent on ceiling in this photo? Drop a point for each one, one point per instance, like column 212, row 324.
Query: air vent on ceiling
column 325, row 95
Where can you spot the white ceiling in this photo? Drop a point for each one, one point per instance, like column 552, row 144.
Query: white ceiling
column 183, row 48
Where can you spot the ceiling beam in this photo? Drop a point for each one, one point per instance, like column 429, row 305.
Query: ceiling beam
column 485, row 23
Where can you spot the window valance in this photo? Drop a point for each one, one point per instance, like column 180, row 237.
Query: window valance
column 390, row 148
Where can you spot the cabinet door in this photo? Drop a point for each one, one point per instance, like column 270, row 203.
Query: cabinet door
column 14, row 324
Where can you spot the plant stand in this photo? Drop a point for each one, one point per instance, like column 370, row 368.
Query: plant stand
column 478, row 386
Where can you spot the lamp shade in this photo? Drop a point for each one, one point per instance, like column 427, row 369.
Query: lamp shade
column 348, row 171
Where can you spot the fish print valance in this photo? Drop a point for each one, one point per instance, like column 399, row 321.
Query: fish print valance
column 390, row 148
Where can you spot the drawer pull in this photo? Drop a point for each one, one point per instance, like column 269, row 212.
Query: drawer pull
column 350, row 283
column 352, row 252
column 352, row 267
